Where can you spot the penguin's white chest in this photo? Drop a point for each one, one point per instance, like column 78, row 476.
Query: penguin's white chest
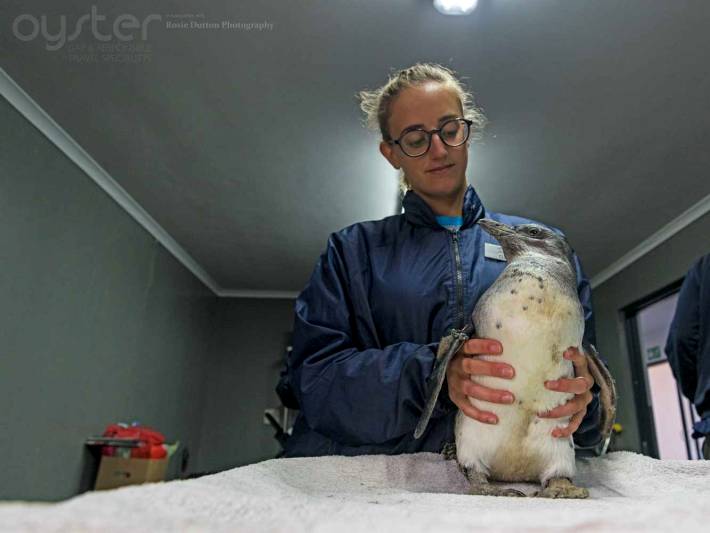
column 536, row 322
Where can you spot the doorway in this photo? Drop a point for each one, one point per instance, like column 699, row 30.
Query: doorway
column 665, row 416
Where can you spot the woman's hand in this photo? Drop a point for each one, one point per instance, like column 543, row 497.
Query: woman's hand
column 464, row 365
column 580, row 386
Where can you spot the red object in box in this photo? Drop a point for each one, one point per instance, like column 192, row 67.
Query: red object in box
column 151, row 445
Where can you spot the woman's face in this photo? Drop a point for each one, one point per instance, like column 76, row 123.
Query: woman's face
column 427, row 106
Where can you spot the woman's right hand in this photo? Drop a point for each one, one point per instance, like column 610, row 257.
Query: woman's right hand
column 464, row 365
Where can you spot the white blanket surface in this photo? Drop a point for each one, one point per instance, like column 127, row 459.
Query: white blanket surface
column 405, row 493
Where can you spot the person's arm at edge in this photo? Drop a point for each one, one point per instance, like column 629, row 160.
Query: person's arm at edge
column 683, row 341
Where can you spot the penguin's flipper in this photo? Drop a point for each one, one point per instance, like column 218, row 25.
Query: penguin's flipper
column 607, row 393
column 448, row 347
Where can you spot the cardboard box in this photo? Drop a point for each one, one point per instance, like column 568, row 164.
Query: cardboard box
column 118, row 471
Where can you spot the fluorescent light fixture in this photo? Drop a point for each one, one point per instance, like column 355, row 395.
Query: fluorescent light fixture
column 455, row 7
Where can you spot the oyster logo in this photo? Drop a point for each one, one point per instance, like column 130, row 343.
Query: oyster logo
column 124, row 27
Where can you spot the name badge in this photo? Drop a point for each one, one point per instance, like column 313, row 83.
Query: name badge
column 493, row 251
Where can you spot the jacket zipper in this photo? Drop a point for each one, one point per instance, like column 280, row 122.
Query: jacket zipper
column 459, row 278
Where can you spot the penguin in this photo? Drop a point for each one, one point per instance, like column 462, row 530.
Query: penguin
column 534, row 310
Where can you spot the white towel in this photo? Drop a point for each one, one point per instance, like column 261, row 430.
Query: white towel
column 405, row 493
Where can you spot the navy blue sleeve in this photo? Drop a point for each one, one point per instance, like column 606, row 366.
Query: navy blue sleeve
column 584, row 289
column 349, row 392
column 683, row 341
column 588, row 433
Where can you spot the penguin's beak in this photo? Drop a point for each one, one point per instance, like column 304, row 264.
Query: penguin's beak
column 497, row 230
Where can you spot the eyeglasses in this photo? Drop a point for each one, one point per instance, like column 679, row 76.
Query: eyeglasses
column 416, row 142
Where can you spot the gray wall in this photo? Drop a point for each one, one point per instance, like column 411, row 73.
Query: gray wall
column 99, row 323
column 250, row 342
column 662, row 266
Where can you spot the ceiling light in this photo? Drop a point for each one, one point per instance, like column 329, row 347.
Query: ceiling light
column 455, row 7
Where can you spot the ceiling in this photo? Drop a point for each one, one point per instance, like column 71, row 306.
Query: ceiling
column 248, row 148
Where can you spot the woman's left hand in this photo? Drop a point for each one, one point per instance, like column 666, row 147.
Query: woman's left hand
column 580, row 386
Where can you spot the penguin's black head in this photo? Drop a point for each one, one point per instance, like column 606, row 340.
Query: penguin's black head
column 517, row 240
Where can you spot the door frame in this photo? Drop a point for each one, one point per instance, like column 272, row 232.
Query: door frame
column 642, row 396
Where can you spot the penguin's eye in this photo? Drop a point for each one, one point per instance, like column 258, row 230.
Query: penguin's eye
column 533, row 232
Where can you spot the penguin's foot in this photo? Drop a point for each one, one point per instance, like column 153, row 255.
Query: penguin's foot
column 562, row 487
column 449, row 451
column 486, row 489
column 481, row 487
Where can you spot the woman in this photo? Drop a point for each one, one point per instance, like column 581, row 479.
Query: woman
column 382, row 295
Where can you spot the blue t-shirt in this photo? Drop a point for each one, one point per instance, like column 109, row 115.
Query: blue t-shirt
column 450, row 223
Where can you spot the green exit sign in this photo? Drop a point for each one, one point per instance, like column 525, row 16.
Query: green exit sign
column 654, row 354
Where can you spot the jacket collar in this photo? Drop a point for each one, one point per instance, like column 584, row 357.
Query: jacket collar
column 418, row 212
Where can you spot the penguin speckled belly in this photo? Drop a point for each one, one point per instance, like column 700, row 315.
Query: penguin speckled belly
column 533, row 309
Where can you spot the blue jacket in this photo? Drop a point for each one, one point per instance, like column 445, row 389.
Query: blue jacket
column 367, row 328
column 688, row 344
